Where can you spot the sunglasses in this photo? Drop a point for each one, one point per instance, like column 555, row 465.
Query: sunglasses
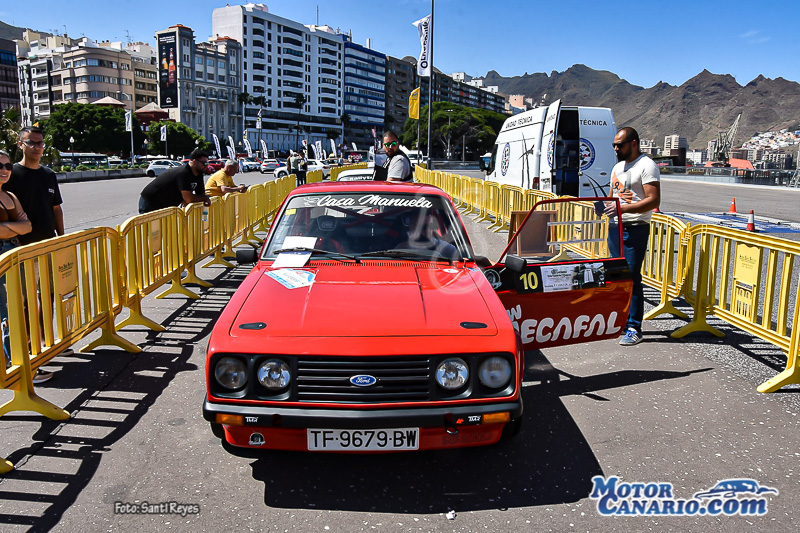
column 204, row 163
column 32, row 144
column 619, row 145
column 393, row 143
column 7, row 166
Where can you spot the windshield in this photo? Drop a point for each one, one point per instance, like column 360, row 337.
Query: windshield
column 370, row 223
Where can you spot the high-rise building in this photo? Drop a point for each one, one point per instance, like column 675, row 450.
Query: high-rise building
column 9, row 79
column 285, row 62
column 364, row 94
column 37, row 55
column 674, row 142
column 199, row 83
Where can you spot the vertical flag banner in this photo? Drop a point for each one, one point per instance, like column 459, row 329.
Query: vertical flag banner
column 264, row 150
column 164, row 132
column 248, row 148
column 231, row 153
column 216, row 143
column 333, row 148
column 424, row 28
column 354, row 146
column 230, row 142
column 413, row 104
column 320, row 153
column 258, row 120
column 128, row 121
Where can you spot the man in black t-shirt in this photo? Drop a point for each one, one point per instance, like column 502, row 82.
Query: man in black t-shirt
column 177, row 186
column 37, row 189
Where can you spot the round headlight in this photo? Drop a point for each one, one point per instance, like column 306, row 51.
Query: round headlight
column 452, row 373
column 495, row 372
column 231, row 373
column 274, row 374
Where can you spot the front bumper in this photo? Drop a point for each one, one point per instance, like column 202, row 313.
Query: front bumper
column 285, row 428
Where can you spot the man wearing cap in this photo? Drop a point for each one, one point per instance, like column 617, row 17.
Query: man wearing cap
column 221, row 182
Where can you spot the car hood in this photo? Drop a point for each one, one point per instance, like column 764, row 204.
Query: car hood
column 359, row 300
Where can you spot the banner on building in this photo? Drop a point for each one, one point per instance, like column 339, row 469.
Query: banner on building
column 128, row 121
column 424, row 28
column 216, row 143
column 164, row 132
column 167, row 71
column 413, row 104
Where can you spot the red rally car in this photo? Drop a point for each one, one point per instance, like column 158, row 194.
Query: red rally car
column 369, row 325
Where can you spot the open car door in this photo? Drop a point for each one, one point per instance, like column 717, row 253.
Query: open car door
column 558, row 280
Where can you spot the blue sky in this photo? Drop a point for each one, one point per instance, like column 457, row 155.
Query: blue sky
column 643, row 42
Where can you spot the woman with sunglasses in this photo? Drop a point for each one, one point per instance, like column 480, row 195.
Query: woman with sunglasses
column 13, row 222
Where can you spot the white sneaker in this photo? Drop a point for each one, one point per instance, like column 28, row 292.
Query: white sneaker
column 41, row 376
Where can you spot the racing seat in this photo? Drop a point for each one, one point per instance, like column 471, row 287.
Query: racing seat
column 329, row 235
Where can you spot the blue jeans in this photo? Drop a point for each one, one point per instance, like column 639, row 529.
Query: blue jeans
column 634, row 243
column 5, row 245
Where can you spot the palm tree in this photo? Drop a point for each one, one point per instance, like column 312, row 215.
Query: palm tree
column 299, row 101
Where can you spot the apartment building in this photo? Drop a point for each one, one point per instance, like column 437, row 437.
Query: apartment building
column 283, row 62
column 364, row 93
column 674, row 142
column 199, row 83
column 59, row 70
column 9, row 79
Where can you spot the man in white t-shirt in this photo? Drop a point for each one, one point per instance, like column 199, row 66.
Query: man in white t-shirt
column 635, row 181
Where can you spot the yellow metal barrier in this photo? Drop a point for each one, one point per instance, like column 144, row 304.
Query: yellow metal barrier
column 739, row 274
column 155, row 255
column 666, row 263
column 217, row 236
column 59, row 291
column 315, row 176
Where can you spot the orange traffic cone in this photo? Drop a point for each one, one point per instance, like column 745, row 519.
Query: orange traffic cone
column 732, row 210
column 751, row 222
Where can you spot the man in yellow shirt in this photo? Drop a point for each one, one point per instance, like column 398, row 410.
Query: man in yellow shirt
column 221, row 182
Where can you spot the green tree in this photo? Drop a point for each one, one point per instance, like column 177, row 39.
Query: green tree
column 181, row 139
column 9, row 136
column 477, row 128
column 299, row 101
column 95, row 128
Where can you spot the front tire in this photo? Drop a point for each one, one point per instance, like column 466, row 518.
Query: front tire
column 151, row 174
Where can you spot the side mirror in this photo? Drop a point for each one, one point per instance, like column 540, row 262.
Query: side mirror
column 514, row 263
column 247, row 256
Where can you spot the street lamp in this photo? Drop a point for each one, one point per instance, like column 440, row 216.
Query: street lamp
column 146, row 144
column 448, row 133
column 71, row 149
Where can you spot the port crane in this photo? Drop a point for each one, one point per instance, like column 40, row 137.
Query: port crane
column 722, row 150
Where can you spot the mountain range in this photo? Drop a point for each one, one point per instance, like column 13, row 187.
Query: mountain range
column 698, row 109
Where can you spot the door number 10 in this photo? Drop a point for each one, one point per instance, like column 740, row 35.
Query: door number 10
column 530, row 281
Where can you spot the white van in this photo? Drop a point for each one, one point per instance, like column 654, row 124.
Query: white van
column 560, row 149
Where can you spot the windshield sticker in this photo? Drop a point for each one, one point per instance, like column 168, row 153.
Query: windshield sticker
column 292, row 279
column 370, row 200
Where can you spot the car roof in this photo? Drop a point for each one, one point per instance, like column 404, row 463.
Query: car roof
column 367, row 186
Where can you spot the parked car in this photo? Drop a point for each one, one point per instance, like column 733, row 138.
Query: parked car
column 269, row 165
column 157, row 166
column 214, row 165
column 248, row 164
column 313, row 164
column 368, row 324
column 358, row 174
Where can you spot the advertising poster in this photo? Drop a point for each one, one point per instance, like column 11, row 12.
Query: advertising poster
column 167, row 70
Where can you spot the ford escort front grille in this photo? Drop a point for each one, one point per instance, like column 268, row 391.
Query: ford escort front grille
column 396, row 379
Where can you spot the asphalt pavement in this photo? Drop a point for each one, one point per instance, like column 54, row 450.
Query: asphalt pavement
column 681, row 412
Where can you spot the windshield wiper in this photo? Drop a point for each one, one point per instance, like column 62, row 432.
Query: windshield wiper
column 318, row 251
column 409, row 254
